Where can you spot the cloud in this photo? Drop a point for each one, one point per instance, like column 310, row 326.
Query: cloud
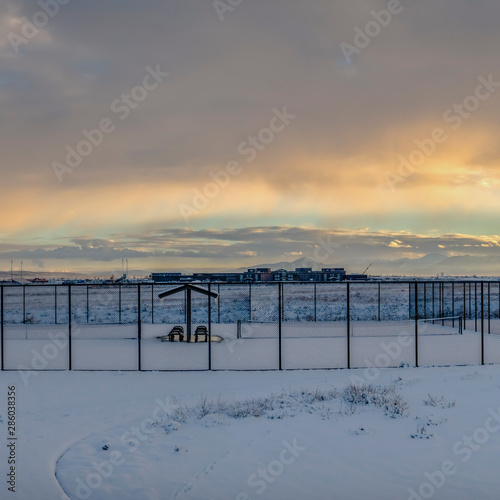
column 230, row 248
column 325, row 170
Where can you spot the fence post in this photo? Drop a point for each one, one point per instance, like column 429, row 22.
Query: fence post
column 139, row 327
column 152, row 304
column 453, row 304
column 87, row 304
column 315, row 303
column 1, row 321
column 433, row 302
column 379, row 301
column 120, row 303
column 465, row 310
column 489, row 309
column 416, row 322
column 348, row 321
column 250, row 301
column 470, row 300
column 24, row 304
column 425, row 300
column 482, row 322
column 475, row 306
column 441, row 302
column 55, row 304
column 69, row 326
column 409, row 300
column 218, row 303
column 280, row 307
column 209, row 329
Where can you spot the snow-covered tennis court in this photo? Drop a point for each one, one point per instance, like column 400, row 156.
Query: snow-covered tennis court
column 303, row 346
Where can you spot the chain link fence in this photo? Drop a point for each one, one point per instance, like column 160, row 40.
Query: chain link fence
column 251, row 326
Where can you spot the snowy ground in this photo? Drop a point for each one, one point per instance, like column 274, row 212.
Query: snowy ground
column 133, row 435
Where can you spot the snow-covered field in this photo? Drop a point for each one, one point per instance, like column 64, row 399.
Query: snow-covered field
column 423, row 433
column 302, row 302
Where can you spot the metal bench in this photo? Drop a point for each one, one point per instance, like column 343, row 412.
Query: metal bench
column 201, row 334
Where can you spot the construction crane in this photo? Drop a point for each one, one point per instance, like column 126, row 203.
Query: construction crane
column 364, row 272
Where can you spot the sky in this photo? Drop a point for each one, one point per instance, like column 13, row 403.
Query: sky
column 200, row 134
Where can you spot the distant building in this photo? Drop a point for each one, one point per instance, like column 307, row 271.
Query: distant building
column 356, row 277
column 262, row 275
column 165, row 277
column 258, row 274
column 283, row 275
column 332, row 274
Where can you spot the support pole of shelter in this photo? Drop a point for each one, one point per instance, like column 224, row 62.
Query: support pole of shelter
column 139, row 328
column 1, row 324
column 482, row 322
column 188, row 314
column 348, row 323
column 69, row 326
column 209, row 329
column 416, row 324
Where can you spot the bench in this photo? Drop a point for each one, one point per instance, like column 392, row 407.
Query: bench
column 201, row 334
column 175, row 335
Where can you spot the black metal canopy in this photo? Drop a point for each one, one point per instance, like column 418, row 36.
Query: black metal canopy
column 188, row 289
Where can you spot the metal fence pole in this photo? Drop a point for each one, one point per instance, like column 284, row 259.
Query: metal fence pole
column 489, row 309
column 416, row 321
column 152, row 304
column 425, row 300
column 280, row 310
column 482, row 322
column 475, row 306
column 69, row 327
column 453, row 304
column 24, row 304
column 218, row 303
column 470, row 300
column 1, row 322
column 409, row 300
column 283, row 315
column 120, row 303
column 441, row 293
column 139, row 328
column 465, row 309
column 379, row 302
column 55, row 304
column 433, row 300
column 315, row 303
column 250, row 301
column 348, row 321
